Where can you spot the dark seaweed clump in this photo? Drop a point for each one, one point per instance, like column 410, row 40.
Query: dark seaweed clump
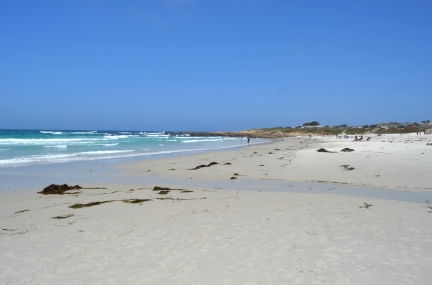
column 324, row 150
column 157, row 188
column 203, row 165
column 78, row 206
column 136, row 201
column 63, row 217
column 58, row 189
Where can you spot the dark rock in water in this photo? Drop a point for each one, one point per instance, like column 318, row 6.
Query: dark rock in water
column 58, row 189
column 233, row 178
column 322, row 150
column 347, row 149
column 227, row 163
column 164, row 192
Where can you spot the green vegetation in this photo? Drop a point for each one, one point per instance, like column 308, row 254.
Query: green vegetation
column 343, row 129
column 314, row 123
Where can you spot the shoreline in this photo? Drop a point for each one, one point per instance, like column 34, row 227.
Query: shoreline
column 386, row 162
column 262, row 227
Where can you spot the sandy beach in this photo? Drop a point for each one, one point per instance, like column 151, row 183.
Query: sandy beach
column 276, row 213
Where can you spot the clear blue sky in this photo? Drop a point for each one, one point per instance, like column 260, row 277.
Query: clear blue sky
column 213, row 65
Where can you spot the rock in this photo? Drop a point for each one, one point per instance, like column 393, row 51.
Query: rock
column 347, row 149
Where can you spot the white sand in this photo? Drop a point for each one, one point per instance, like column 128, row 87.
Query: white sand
column 233, row 237
column 401, row 162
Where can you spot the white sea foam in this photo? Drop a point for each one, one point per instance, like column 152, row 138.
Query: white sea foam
column 97, row 155
column 116, row 137
column 4, row 149
column 84, row 133
column 56, row 146
column 158, row 136
column 194, row 138
column 205, row 140
column 104, row 152
column 65, row 157
column 51, row 132
column 45, row 141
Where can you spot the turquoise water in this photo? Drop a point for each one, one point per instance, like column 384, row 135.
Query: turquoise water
column 31, row 147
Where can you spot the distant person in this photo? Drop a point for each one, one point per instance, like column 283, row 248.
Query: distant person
column 248, row 138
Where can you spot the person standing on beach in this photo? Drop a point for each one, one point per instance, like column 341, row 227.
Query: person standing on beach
column 248, row 138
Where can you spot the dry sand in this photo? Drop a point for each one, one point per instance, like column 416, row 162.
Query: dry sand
column 230, row 235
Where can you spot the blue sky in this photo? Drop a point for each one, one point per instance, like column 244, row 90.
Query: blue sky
column 213, row 65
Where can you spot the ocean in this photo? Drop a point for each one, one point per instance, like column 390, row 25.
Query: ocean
column 34, row 147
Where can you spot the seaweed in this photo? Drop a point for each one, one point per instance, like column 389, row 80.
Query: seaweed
column 186, row 191
column 59, row 189
column 347, row 167
column 203, row 165
column 157, row 188
column 233, row 178
column 366, row 206
column 347, row 149
column 22, row 211
column 79, row 206
column 63, row 217
column 164, row 192
column 136, row 201
column 323, row 150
